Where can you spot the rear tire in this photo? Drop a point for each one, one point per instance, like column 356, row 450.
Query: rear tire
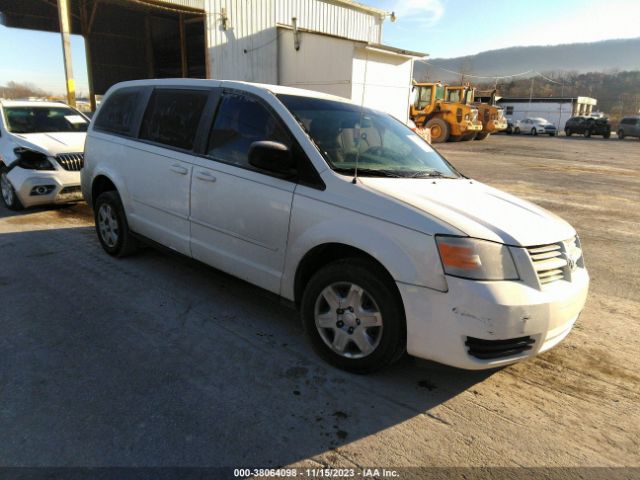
column 568, row 132
column 534, row 132
column 606, row 135
column 353, row 316
column 111, row 226
column 9, row 196
column 440, row 130
column 587, row 133
column 516, row 130
column 481, row 136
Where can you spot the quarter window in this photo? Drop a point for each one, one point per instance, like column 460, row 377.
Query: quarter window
column 240, row 122
column 118, row 112
column 173, row 116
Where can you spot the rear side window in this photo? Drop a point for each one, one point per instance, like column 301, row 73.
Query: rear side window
column 240, row 122
column 173, row 116
column 118, row 113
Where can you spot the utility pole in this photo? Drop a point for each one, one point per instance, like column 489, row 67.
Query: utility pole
column 65, row 33
column 530, row 96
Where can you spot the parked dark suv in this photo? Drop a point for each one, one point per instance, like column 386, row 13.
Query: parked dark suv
column 587, row 126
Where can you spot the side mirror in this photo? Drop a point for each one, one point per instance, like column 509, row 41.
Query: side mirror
column 273, row 157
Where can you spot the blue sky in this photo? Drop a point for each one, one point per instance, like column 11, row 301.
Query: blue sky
column 441, row 28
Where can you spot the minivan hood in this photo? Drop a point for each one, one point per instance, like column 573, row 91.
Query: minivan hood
column 52, row 143
column 476, row 209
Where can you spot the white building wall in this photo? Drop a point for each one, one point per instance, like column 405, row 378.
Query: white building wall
column 323, row 63
column 377, row 79
column 248, row 48
column 382, row 81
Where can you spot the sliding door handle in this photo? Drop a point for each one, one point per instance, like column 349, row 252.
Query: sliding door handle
column 179, row 169
column 205, row 177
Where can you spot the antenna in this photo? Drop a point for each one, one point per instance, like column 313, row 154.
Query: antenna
column 364, row 86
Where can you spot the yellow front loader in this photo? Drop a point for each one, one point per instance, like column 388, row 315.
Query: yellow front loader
column 450, row 116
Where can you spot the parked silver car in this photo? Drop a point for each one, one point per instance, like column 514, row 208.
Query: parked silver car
column 629, row 127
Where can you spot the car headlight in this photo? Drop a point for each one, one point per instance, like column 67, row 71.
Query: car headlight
column 476, row 259
column 31, row 160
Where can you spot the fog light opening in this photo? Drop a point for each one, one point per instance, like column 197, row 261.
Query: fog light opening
column 42, row 190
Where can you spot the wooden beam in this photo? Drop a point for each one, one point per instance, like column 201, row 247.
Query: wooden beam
column 183, row 47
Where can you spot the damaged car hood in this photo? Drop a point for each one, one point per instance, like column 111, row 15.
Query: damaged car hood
column 476, row 209
column 52, row 143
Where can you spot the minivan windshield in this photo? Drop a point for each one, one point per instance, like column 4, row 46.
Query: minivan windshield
column 379, row 144
column 40, row 119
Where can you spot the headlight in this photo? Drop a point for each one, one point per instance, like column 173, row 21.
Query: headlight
column 476, row 259
column 32, row 160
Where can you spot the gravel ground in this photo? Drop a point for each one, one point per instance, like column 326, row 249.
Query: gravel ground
column 160, row 361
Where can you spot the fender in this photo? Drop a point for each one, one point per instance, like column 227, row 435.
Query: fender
column 409, row 256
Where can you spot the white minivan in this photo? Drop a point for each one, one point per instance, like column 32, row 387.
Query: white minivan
column 381, row 243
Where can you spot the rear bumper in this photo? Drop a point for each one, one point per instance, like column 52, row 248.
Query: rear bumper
column 439, row 324
column 63, row 186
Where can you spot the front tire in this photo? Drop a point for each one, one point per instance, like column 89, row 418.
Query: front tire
column 9, row 196
column 111, row 226
column 353, row 316
column 620, row 135
column 534, row 132
column 587, row 133
column 568, row 132
column 439, row 129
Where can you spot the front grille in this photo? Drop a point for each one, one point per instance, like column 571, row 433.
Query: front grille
column 490, row 349
column 549, row 262
column 71, row 161
column 553, row 262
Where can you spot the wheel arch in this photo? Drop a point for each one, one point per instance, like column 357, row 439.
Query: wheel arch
column 101, row 183
column 326, row 253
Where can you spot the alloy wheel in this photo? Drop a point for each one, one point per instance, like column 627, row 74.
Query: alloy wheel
column 348, row 320
column 108, row 225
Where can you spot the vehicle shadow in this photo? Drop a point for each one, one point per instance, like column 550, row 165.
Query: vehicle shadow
column 157, row 360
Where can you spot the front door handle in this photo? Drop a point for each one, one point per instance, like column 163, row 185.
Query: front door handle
column 179, row 169
column 205, row 176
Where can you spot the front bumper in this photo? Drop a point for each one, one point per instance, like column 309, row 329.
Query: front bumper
column 470, row 127
column 439, row 323
column 66, row 186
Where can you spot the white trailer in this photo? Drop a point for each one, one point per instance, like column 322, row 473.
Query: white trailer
column 555, row 109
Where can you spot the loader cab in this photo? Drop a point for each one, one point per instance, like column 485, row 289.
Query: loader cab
column 427, row 94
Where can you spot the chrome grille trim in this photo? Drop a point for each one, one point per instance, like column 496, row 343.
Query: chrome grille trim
column 71, row 161
column 556, row 261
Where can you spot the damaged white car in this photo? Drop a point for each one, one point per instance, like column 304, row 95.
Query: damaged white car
column 41, row 153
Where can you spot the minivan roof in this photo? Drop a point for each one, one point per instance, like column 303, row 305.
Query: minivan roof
column 248, row 86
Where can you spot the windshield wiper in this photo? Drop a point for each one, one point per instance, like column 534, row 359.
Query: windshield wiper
column 370, row 172
column 432, row 173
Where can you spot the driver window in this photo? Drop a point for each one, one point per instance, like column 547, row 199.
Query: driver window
column 240, row 121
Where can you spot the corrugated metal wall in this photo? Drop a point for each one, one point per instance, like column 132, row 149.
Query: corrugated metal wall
column 248, row 48
column 329, row 18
